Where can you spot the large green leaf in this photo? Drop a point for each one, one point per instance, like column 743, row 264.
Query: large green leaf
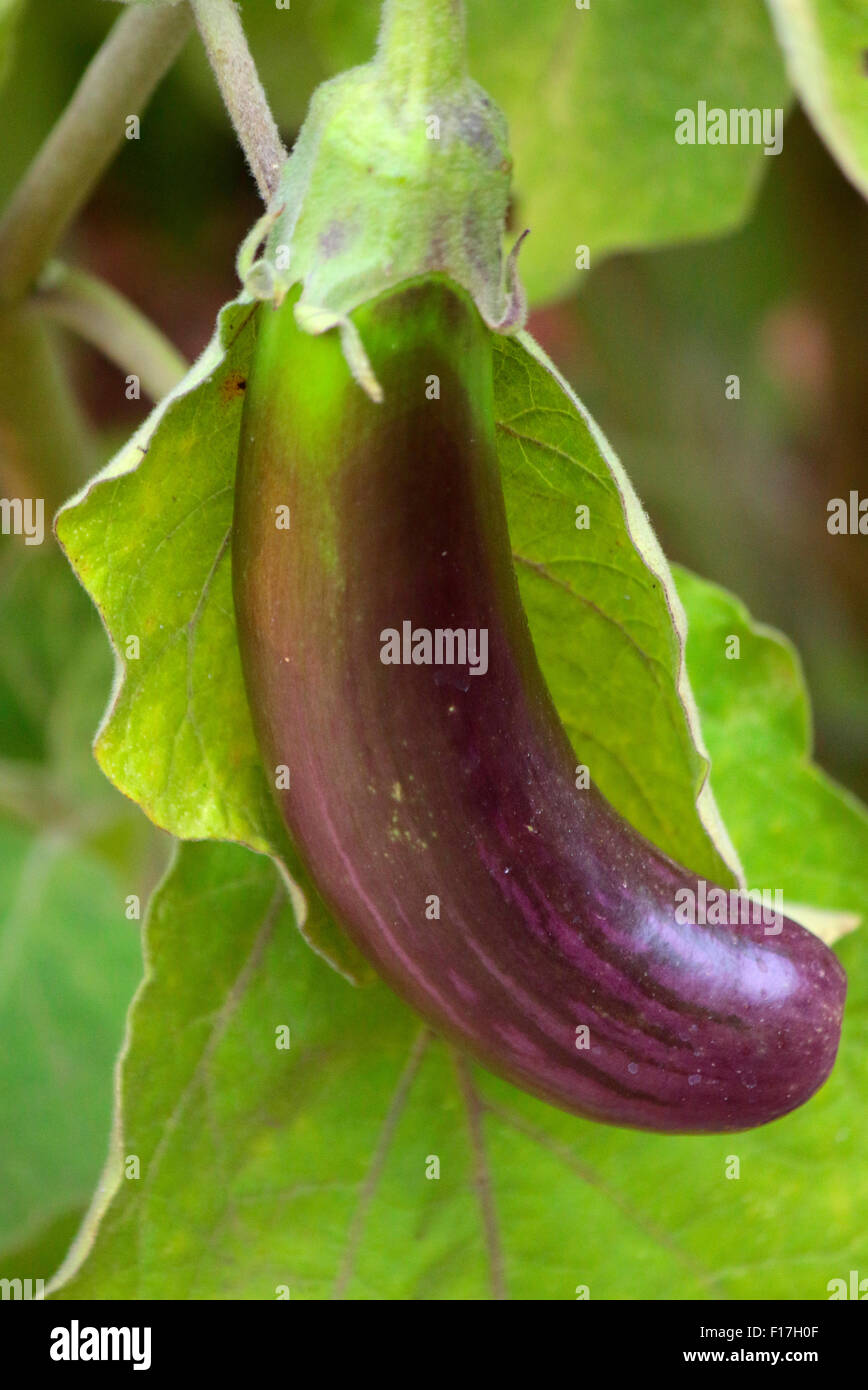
column 264, row 1170
column 825, row 42
column 590, row 96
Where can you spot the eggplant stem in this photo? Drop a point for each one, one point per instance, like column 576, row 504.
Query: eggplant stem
column 421, row 47
column 220, row 27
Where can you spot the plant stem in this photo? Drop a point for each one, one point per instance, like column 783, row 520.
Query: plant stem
column 140, row 48
column 223, row 36
column 422, row 46
column 106, row 319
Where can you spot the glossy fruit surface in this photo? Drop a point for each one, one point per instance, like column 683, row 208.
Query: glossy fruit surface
column 422, row 789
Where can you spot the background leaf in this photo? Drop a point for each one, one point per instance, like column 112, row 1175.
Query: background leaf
column 264, row 1168
column 795, row 828
column 71, row 850
column 591, row 98
column 68, row 963
column 825, row 43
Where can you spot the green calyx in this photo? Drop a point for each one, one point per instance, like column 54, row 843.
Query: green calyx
column 401, row 169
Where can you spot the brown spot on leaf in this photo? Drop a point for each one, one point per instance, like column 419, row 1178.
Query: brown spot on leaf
column 232, row 387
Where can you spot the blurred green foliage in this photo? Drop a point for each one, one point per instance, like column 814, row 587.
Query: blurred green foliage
column 72, row 851
column 737, row 490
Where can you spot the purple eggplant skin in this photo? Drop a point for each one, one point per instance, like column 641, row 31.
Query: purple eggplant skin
column 408, row 781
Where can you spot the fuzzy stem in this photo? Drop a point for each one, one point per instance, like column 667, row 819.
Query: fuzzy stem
column 139, row 49
column 109, row 322
column 223, row 36
column 422, row 47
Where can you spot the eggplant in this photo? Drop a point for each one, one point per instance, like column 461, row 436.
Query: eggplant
column 433, row 798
